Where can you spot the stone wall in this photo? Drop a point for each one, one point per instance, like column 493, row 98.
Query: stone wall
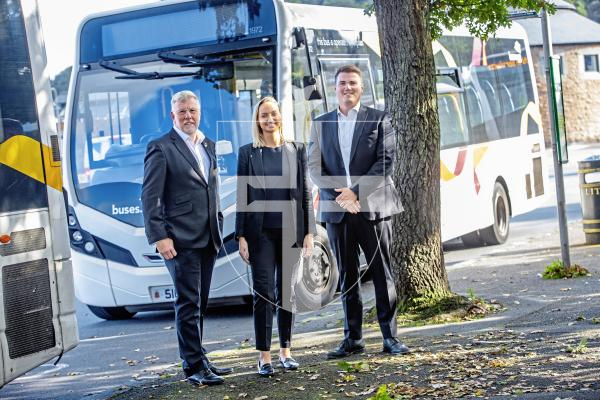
column 581, row 93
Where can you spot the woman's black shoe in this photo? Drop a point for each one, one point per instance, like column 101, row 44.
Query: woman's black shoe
column 289, row 364
column 265, row 369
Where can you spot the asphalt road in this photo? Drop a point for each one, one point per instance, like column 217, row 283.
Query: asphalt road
column 116, row 354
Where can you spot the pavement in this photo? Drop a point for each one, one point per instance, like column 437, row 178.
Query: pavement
column 543, row 344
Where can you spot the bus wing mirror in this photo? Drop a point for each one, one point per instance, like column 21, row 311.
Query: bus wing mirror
column 449, row 73
column 311, row 86
column 299, row 38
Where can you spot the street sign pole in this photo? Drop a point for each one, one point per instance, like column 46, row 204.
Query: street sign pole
column 558, row 172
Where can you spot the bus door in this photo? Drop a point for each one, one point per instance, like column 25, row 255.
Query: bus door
column 459, row 187
column 36, row 296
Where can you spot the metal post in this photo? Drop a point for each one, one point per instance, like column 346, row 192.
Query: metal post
column 558, row 172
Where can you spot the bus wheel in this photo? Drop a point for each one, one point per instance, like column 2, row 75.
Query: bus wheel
column 111, row 313
column 498, row 233
column 318, row 280
column 472, row 239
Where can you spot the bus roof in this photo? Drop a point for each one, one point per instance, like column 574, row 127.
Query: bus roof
column 320, row 17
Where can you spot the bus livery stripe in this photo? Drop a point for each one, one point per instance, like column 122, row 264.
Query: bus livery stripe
column 478, row 154
column 446, row 174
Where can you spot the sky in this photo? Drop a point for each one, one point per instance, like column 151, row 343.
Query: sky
column 60, row 21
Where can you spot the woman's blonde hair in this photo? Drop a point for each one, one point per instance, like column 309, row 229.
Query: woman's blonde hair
column 257, row 133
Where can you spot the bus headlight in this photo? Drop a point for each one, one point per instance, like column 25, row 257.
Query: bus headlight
column 77, row 236
column 72, row 220
column 89, row 247
column 81, row 240
column 84, row 242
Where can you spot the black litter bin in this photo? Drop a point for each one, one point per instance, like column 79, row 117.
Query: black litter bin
column 589, row 185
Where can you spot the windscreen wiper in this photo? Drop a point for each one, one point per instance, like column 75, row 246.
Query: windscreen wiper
column 131, row 74
column 191, row 61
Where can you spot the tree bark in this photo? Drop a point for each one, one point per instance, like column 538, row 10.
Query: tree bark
column 410, row 98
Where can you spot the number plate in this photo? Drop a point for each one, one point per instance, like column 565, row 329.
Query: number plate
column 163, row 293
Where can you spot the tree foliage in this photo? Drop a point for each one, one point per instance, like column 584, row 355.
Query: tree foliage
column 483, row 18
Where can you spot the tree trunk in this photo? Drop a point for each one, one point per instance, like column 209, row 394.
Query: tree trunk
column 410, row 98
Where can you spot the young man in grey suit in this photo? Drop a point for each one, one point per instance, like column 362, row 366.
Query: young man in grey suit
column 182, row 216
column 351, row 159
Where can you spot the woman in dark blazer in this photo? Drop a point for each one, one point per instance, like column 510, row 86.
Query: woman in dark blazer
column 274, row 220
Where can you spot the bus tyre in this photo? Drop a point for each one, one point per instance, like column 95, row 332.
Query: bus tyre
column 111, row 313
column 472, row 239
column 498, row 232
column 318, row 280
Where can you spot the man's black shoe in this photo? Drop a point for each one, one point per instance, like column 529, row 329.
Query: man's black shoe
column 347, row 347
column 265, row 369
column 394, row 346
column 219, row 371
column 215, row 370
column 205, row 377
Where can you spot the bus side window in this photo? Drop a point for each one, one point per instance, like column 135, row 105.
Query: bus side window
column 492, row 97
column 305, row 107
column 475, row 114
column 452, row 127
column 507, row 99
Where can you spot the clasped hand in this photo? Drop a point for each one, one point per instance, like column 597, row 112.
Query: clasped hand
column 347, row 200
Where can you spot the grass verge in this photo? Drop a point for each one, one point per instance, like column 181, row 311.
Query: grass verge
column 444, row 309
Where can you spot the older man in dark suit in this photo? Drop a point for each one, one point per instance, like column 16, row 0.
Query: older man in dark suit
column 351, row 159
column 180, row 198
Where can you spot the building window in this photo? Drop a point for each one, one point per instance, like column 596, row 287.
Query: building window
column 590, row 63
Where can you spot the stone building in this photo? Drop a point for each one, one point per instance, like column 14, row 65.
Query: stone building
column 576, row 39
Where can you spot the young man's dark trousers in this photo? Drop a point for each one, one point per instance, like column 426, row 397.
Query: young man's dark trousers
column 374, row 238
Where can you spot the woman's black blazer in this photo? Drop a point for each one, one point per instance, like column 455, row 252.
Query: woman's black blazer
column 251, row 189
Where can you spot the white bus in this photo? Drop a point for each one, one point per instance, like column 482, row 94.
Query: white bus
column 37, row 303
column 231, row 53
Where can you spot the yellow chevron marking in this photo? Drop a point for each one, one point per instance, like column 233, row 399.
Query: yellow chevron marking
column 478, row 154
column 23, row 154
column 445, row 173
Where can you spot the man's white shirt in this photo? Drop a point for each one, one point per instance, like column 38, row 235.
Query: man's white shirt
column 197, row 149
column 346, row 124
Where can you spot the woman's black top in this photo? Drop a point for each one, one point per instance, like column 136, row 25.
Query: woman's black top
column 272, row 159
